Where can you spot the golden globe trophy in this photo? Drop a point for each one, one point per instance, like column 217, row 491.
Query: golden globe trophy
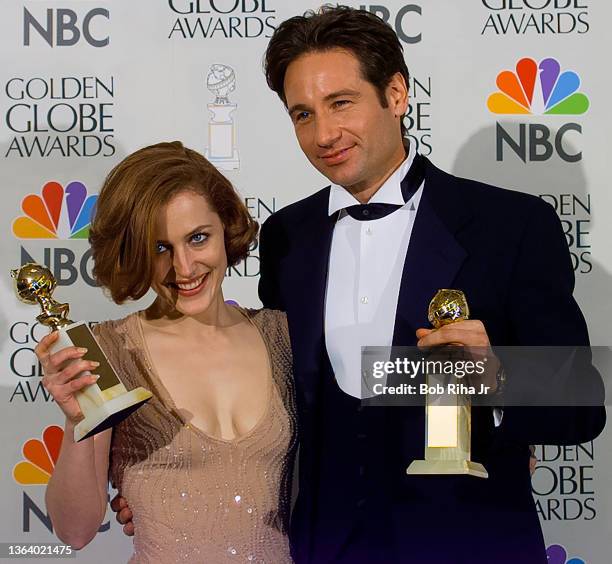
column 447, row 423
column 103, row 403
column 222, row 151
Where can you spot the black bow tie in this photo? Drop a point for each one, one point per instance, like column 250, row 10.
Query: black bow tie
column 409, row 186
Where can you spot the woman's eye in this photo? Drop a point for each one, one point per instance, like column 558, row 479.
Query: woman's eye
column 340, row 103
column 160, row 248
column 199, row 237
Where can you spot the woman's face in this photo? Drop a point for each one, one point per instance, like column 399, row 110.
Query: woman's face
column 190, row 260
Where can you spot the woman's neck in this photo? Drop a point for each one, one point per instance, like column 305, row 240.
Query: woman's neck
column 217, row 317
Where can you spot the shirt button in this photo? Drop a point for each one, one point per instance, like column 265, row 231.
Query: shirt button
column 364, row 300
column 369, row 231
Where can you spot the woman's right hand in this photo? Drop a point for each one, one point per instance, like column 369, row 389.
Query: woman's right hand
column 60, row 375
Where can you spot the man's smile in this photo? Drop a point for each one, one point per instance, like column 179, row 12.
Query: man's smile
column 336, row 156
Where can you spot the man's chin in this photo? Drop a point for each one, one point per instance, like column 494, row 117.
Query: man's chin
column 341, row 177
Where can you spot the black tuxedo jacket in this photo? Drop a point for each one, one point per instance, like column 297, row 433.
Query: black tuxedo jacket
column 507, row 252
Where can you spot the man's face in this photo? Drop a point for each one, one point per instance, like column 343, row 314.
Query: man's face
column 340, row 123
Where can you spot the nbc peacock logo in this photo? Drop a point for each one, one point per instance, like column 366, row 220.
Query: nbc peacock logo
column 538, row 88
column 58, row 213
column 40, row 456
column 557, row 554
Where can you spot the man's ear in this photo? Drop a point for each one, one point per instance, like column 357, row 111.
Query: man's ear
column 397, row 94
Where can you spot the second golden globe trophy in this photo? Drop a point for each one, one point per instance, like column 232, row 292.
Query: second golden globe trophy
column 103, row 403
column 447, row 423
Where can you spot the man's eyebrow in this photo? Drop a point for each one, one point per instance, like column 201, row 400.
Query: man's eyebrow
column 340, row 93
column 331, row 96
column 298, row 108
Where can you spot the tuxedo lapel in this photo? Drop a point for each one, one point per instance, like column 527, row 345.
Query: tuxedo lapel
column 309, row 270
column 434, row 256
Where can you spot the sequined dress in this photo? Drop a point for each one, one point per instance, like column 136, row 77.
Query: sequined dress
column 194, row 497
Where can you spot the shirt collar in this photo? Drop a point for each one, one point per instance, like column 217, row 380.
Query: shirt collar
column 389, row 193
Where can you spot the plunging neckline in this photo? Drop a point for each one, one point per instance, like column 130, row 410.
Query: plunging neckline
column 167, row 401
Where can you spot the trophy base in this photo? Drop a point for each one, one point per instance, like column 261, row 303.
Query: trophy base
column 224, row 163
column 110, row 413
column 432, row 467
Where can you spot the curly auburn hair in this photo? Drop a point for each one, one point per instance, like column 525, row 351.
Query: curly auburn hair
column 122, row 232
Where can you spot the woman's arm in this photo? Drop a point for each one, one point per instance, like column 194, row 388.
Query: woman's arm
column 76, row 493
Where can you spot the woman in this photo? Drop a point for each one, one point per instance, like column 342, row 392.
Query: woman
column 205, row 465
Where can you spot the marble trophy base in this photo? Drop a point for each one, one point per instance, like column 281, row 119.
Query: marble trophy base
column 224, row 163
column 110, row 413
column 222, row 151
column 447, row 467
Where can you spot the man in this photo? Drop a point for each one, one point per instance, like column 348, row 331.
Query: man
column 350, row 275
column 345, row 282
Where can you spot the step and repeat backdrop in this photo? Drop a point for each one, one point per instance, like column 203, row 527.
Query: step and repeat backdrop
column 511, row 92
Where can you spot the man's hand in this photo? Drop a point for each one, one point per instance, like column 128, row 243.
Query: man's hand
column 468, row 333
column 124, row 514
column 472, row 335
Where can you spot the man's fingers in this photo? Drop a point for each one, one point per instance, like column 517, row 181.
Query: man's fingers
column 117, row 503
column 462, row 336
column 124, row 516
column 438, row 337
column 468, row 332
column 420, row 333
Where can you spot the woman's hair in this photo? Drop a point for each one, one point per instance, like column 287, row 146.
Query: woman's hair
column 373, row 42
column 122, row 233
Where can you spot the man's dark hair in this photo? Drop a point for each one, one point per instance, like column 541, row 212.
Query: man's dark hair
column 365, row 35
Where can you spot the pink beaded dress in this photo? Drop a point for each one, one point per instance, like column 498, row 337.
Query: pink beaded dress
column 197, row 498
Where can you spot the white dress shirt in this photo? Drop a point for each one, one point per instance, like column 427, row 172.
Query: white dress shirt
column 365, row 270
column 366, row 262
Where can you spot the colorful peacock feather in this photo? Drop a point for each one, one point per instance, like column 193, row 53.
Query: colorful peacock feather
column 538, row 89
column 57, row 213
column 40, row 457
